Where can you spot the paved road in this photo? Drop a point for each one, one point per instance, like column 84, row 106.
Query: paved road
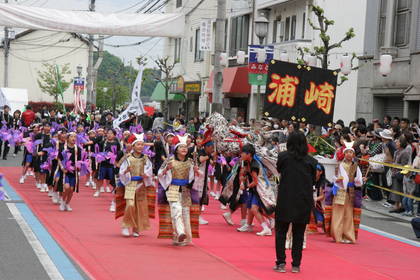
column 18, row 260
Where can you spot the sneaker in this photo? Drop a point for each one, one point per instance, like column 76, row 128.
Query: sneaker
column 280, row 268
column 212, row 194
column 386, row 205
column 62, row 206
column 295, row 269
column 112, row 207
column 93, row 186
column 68, row 208
column 22, row 180
column 223, row 207
column 228, row 218
column 87, row 184
column 245, row 228
column 42, row 188
column 243, row 222
column 31, row 173
column 102, row 189
column 408, row 214
column 108, row 189
column 38, row 186
column 54, row 198
column 265, row 232
column 50, row 193
column 202, row 221
column 136, row 234
column 14, row 155
column 203, row 208
column 125, row 232
column 96, row 194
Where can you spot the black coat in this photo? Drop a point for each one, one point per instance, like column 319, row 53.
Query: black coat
column 295, row 196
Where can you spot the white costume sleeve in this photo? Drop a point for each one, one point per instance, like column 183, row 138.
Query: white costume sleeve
column 148, row 172
column 164, row 179
column 358, row 181
column 125, row 178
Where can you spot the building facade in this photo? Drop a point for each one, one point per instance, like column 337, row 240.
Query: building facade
column 288, row 30
column 392, row 27
column 30, row 49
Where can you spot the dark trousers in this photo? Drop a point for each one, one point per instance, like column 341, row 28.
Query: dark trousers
column 298, row 232
column 6, row 148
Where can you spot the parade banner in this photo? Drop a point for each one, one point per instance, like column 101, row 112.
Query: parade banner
column 136, row 105
column 78, row 88
column 300, row 93
column 257, row 72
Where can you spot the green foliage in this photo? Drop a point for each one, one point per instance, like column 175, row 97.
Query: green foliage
column 104, row 97
column 116, row 76
column 323, row 146
column 322, row 52
column 49, row 82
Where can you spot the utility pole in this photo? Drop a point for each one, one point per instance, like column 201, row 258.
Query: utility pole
column 219, row 48
column 96, row 67
column 89, row 78
column 6, row 53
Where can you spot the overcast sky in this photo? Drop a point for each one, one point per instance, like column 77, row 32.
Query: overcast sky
column 153, row 48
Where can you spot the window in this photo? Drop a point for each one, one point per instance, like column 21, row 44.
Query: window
column 177, row 55
column 287, row 30
column 178, row 3
column 239, row 34
column 303, row 25
column 382, row 23
column 402, row 23
column 277, row 25
column 198, row 55
column 191, row 44
column 293, row 29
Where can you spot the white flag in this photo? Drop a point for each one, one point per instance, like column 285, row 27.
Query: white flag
column 136, row 105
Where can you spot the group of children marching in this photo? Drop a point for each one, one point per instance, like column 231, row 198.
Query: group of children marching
column 174, row 170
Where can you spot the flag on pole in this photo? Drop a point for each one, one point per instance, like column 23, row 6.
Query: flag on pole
column 136, row 105
column 59, row 85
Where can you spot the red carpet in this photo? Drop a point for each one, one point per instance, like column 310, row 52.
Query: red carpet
column 92, row 238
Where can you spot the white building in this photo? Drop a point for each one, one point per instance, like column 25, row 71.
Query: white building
column 30, row 49
column 288, row 30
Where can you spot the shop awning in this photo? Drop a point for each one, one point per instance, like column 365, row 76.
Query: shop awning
column 235, row 80
column 159, row 94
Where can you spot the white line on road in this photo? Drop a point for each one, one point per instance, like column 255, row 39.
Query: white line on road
column 40, row 252
column 390, row 235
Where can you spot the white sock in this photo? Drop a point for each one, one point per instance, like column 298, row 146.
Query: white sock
column 265, row 226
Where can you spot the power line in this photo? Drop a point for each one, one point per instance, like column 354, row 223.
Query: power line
column 49, row 59
column 129, row 45
column 132, row 6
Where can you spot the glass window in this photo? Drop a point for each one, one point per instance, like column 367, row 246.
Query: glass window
column 198, row 55
column 177, row 56
column 239, row 34
column 382, row 23
column 293, row 29
column 303, row 25
column 178, row 3
column 287, row 29
column 402, row 23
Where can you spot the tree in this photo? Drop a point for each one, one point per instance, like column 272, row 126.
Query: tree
column 322, row 52
column 54, row 83
column 163, row 75
column 104, row 97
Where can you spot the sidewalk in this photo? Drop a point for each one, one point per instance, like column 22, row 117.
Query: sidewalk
column 376, row 206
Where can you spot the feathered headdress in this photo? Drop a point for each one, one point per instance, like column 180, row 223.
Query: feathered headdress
column 180, row 140
column 134, row 138
column 349, row 146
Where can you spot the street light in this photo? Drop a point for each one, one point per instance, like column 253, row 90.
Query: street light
column 261, row 28
column 79, row 70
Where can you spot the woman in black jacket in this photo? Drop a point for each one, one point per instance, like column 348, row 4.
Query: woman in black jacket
column 295, row 198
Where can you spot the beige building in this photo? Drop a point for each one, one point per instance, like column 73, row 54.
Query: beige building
column 30, row 49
